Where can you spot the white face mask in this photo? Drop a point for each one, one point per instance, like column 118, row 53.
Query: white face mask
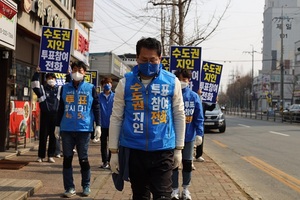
column 77, row 76
column 184, row 84
column 51, row 82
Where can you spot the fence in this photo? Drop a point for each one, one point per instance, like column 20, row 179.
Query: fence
column 276, row 116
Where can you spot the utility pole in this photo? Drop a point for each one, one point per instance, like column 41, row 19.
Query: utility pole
column 282, row 35
column 178, row 11
column 281, row 63
column 163, row 29
column 252, row 75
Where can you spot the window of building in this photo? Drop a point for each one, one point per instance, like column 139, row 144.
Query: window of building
column 23, row 78
column 66, row 4
column 298, row 58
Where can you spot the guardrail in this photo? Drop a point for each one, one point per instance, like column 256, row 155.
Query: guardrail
column 275, row 116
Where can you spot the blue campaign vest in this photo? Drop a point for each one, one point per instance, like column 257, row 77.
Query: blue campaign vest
column 77, row 111
column 193, row 114
column 106, row 105
column 148, row 123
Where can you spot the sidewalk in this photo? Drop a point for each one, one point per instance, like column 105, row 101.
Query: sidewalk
column 44, row 180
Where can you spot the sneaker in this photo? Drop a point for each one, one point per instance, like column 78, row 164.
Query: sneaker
column 193, row 166
column 180, row 167
column 200, row 159
column 96, row 140
column 70, row 192
column 51, row 160
column 105, row 166
column 58, row 156
column 186, row 195
column 175, row 194
column 39, row 159
column 86, row 191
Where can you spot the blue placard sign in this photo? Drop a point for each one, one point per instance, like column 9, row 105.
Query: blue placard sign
column 210, row 81
column 55, row 49
column 186, row 57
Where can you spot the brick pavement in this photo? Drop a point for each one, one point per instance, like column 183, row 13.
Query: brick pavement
column 209, row 181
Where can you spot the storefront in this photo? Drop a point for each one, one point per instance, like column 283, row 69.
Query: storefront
column 20, row 29
column 22, row 107
column 8, row 24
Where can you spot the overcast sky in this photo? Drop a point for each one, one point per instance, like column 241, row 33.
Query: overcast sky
column 119, row 25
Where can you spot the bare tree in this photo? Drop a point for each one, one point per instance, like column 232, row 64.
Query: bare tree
column 236, row 91
column 174, row 29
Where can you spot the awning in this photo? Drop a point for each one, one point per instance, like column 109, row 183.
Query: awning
column 8, row 8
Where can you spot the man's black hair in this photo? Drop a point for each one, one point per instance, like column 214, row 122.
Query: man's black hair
column 78, row 64
column 186, row 73
column 48, row 75
column 148, row 43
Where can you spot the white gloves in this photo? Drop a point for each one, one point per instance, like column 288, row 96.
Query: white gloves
column 114, row 163
column 57, row 132
column 198, row 140
column 97, row 133
column 177, row 158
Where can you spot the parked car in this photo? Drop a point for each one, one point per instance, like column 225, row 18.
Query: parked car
column 292, row 113
column 215, row 119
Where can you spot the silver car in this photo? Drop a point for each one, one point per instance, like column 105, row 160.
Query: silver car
column 215, row 119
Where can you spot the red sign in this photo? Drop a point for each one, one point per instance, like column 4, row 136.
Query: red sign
column 81, row 43
column 8, row 8
column 19, row 121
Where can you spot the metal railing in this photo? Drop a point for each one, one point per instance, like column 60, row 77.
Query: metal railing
column 272, row 115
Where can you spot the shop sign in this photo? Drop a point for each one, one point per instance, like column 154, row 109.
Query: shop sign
column 116, row 66
column 26, row 5
column 8, row 27
column 297, row 93
column 80, row 49
column 81, row 43
column 47, row 15
column 85, row 10
column 8, row 8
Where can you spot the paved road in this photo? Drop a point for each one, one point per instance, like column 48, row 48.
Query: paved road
column 259, row 155
column 209, row 181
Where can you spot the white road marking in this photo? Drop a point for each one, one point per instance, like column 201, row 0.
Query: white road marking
column 244, row 125
column 277, row 133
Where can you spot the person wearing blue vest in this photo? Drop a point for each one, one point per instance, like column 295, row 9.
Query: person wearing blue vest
column 193, row 134
column 199, row 149
column 78, row 109
column 106, row 99
column 148, row 119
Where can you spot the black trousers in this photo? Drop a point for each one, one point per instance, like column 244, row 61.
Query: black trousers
column 151, row 172
column 105, row 153
column 199, row 149
column 47, row 126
